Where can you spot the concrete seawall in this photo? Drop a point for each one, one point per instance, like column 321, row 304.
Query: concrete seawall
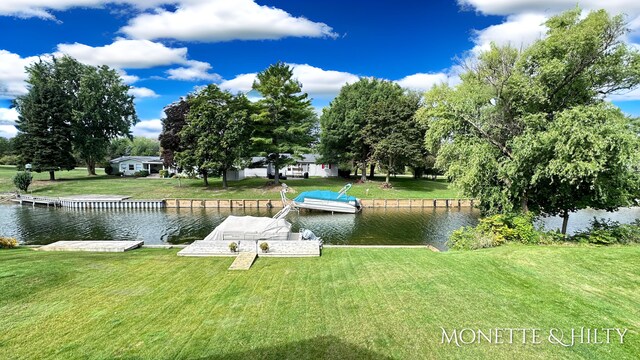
column 367, row 203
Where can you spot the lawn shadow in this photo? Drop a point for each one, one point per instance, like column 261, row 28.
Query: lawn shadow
column 321, row 347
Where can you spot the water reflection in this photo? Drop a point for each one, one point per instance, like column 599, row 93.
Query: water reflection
column 175, row 226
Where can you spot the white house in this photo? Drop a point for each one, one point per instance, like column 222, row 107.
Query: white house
column 307, row 165
column 129, row 165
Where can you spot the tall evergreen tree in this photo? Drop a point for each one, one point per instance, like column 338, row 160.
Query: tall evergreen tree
column 285, row 119
column 45, row 117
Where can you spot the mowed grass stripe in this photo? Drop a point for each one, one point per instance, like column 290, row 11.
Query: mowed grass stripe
column 349, row 303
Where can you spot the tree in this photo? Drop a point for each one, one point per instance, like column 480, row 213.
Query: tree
column 285, row 119
column 45, row 119
column 136, row 146
column 395, row 137
column 510, row 133
column 104, row 111
column 217, row 133
column 359, row 118
column 6, row 147
column 172, row 124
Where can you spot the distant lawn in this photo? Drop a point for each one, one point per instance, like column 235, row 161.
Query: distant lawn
column 347, row 304
column 76, row 182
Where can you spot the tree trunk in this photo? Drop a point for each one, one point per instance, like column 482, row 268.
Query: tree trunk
column 355, row 173
column 525, row 203
column 276, row 175
column 388, row 173
column 372, row 170
column 565, row 222
column 91, row 167
column 52, row 175
column 363, row 177
column 224, row 179
column 205, row 176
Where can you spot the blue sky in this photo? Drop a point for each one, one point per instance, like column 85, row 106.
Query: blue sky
column 165, row 49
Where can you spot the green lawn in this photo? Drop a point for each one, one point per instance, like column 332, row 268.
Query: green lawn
column 347, row 304
column 76, row 182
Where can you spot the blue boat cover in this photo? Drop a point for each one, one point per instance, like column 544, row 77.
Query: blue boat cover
column 323, row 195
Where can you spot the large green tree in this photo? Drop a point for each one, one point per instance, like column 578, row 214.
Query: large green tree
column 514, row 132
column 217, row 133
column 136, row 146
column 371, row 121
column 285, row 119
column 394, row 134
column 45, row 118
column 104, row 110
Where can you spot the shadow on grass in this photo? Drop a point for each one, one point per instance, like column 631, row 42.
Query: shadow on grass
column 321, row 347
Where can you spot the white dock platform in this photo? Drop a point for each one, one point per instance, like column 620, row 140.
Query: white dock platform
column 95, row 246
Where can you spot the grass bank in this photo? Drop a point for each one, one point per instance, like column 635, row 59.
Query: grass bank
column 347, row 304
column 76, row 182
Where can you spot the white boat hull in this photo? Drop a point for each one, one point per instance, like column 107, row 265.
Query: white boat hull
column 327, row 205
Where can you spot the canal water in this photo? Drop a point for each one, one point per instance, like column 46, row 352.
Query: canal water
column 42, row 225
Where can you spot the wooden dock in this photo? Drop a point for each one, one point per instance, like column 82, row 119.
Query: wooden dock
column 243, row 261
column 36, row 200
column 94, row 246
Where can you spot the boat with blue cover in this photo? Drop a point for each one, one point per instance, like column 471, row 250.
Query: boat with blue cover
column 325, row 200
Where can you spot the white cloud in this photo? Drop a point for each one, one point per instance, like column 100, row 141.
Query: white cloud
column 127, row 54
column 223, row 20
column 518, row 31
column 12, row 74
column 317, row 82
column 148, row 128
column 42, row 8
column 143, row 92
column 632, row 95
column 508, row 7
column 196, row 70
column 127, row 78
column 240, row 83
column 8, row 131
column 424, row 81
column 8, row 116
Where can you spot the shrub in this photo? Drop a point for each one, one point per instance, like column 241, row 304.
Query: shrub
column 264, row 247
column 604, row 232
column 233, row 247
column 108, row 169
column 8, row 243
column 22, row 180
column 164, row 173
column 9, row 160
column 496, row 230
column 141, row 173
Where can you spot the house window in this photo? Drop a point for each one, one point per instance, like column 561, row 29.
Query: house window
column 131, row 167
column 123, row 167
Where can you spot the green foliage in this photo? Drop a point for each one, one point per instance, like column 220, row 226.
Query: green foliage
column 217, row 133
column 372, row 120
column 530, row 129
column 603, row 232
column 136, row 146
column 285, row 119
column 497, row 230
column 104, row 110
column 164, row 173
column 141, row 173
column 44, row 124
column 8, row 243
column 10, row 160
column 6, row 147
column 264, row 247
column 233, row 247
column 22, row 180
column 108, row 169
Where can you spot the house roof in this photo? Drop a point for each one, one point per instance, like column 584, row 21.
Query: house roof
column 142, row 159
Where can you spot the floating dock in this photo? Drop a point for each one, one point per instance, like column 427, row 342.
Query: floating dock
column 94, row 246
